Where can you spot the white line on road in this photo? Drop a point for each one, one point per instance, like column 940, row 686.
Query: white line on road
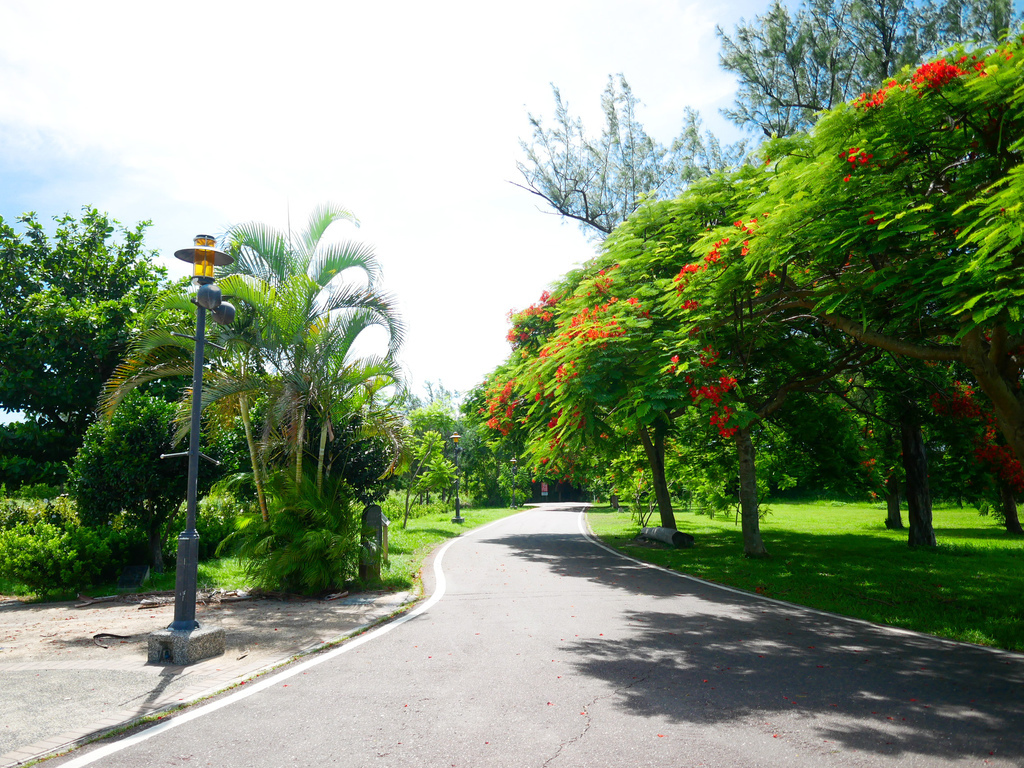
column 287, row 673
column 884, row 628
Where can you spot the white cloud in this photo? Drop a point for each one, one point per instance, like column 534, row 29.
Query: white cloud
column 198, row 115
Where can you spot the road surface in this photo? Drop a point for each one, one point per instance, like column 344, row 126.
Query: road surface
column 541, row 648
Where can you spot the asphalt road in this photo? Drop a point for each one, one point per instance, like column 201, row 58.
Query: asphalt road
column 545, row 649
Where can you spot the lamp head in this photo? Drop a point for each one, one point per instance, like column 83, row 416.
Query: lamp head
column 456, row 437
column 204, row 256
column 223, row 313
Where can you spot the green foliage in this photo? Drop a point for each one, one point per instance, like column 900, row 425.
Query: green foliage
column 520, row 480
column 310, row 544
column 39, row 491
column 59, row 511
column 841, row 558
column 119, row 478
column 438, row 475
column 67, row 309
column 50, row 559
column 216, row 518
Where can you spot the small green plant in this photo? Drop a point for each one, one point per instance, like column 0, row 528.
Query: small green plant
column 310, row 544
column 50, row 560
column 39, row 491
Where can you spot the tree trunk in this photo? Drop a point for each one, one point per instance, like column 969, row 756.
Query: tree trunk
column 997, row 381
column 156, row 549
column 300, row 444
column 919, row 500
column 656, row 458
column 408, row 494
column 257, row 474
column 892, row 504
column 320, row 457
column 753, row 546
column 1010, row 510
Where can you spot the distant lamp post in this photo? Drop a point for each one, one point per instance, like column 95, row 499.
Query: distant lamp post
column 458, row 509
column 515, row 468
column 204, row 257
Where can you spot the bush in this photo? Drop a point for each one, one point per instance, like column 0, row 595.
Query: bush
column 119, row 478
column 310, row 545
column 216, row 519
column 39, row 491
column 60, row 511
column 49, row 560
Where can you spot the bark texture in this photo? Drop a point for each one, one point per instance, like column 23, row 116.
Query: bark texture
column 1009, row 505
column 654, row 447
column 753, row 546
column 919, row 500
column 893, row 521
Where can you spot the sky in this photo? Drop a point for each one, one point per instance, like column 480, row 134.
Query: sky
column 201, row 115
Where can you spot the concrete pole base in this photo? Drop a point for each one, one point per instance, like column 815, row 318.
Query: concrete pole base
column 182, row 647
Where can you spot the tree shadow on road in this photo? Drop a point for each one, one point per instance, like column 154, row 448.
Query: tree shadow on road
column 715, row 655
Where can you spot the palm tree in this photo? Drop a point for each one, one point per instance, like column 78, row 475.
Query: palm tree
column 293, row 342
column 309, row 335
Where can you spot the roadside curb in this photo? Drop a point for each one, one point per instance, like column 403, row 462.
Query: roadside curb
column 215, row 676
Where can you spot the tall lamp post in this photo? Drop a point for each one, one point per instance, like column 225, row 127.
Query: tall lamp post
column 515, row 468
column 204, row 257
column 458, row 509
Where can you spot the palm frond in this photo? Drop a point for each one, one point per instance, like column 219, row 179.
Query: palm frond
column 329, row 261
column 320, row 220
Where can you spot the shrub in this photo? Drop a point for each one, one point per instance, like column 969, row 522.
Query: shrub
column 60, row 511
column 39, row 491
column 216, row 519
column 49, row 560
column 310, row 545
column 119, row 478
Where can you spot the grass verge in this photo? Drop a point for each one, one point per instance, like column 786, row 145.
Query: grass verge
column 841, row 558
column 409, row 547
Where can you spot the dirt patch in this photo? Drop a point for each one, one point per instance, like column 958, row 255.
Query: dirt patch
column 53, row 632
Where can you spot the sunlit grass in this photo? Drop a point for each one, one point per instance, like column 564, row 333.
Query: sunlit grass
column 408, row 548
column 841, row 558
column 217, row 573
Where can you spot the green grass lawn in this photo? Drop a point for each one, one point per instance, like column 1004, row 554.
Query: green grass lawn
column 841, row 558
column 408, row 548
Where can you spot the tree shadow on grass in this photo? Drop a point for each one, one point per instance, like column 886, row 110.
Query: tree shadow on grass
column 708, row 655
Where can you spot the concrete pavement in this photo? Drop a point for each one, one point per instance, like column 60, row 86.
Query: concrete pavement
column 49, row 706
column 538, row 647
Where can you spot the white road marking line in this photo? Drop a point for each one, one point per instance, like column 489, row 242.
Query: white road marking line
column 276, row 679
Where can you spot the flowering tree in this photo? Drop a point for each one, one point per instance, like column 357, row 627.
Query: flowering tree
column 591, row 371
column 962, row 405
column 793, row 64
column 899, row 222
column 737, row 368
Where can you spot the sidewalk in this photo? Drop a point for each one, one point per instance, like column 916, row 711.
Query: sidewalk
column 61, row 687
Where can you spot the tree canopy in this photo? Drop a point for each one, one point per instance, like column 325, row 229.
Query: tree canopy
column 68, row 305
column 892, row 230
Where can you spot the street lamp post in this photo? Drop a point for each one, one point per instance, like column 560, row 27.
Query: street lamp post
column 458, row 509
column 203, row 257
column 515, row 468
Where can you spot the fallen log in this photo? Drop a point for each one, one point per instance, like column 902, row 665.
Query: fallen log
column 669, row 536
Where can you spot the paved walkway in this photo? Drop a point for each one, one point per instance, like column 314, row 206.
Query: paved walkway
column 541, row 648
column 50, row 706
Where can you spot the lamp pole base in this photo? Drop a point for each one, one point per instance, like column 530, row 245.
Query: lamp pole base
column 181, row 647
